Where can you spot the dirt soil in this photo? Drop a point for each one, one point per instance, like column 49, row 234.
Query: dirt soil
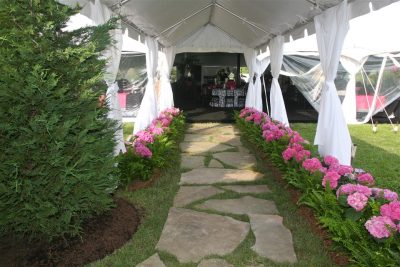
column 101, row 236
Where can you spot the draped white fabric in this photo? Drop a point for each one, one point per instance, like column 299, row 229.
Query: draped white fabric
column 148, row 108
column 332, row 136
column 278, row 110
column 349, row 107
column 165, row 98
column 100, row 14
column 253, row 97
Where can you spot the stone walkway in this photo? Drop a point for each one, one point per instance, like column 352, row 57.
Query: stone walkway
column 203, row 226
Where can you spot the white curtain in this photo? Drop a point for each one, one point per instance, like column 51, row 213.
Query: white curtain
column 165, row 62
column 278, row 110
column 148, row 108
column 332, row 136
column 349, row 106
column 253, row 97
column 100, row 14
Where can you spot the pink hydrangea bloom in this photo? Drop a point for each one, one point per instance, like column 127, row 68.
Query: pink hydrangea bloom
column 257, row 118
column 390, row 195
column 348, row 189
column 297, row 147
column 296, row 138
column 391, row 210
column 312, row 165
column 332, row 177
column 302, row 155
column 380, row 226
column 155, row 130
column 357, row 201
column 288, row 153
column 330, row 160
column 343, row 169
column 144, row 137
column 142, row 150
column 366, row 179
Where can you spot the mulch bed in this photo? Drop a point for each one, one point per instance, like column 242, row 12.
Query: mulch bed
column 101, row 236
column 340, row 258
column 136, row 185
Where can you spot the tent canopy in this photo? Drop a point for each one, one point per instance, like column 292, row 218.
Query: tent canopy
column 250, row 23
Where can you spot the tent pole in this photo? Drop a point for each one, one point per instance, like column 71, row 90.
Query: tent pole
column 185, row 19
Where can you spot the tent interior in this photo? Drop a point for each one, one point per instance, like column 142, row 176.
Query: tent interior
column 254, row 33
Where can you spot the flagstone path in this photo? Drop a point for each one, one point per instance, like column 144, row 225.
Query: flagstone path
column 203, row 225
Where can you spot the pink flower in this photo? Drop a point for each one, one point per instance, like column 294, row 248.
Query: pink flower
column 333, row 178
column 144, row 137
column 366, row 179
column 380, row 226
column 390, row 195
column 312, row 165
column 296, row 138
column 297, row 147
column 391, row 210
column 330, row 160
column 348, row 189
column 343, row 169
column 301, row 155
column 288, row 153
column 142, row 150
column 357, row 201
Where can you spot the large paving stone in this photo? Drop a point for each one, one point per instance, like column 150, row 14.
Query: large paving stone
column 201, row 148
column 189, row 194
column 228, row 139
column 273, row 239
column 237, row 159
column 247, row 189
column 215, row 175
column 191, row 162
column 153, row 261
column 244, row 205
column 214, row 263
column 197, row 138
column 215, row 164
column 192, row 235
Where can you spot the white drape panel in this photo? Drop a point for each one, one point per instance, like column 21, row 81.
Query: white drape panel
column 332, row 136
column 148, row 108
column 165, row 98
column 349, row 107
column 100, row 14
column 253, row 97
column 278, row 110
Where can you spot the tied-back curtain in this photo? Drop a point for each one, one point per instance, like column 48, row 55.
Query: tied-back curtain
column 148, row 108
column 100, row 14
column 332, row 136
column 278, row 109
column 253, row 97
column 165, row 62
column 349, row 106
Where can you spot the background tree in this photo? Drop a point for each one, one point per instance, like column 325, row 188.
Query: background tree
column 56, row 161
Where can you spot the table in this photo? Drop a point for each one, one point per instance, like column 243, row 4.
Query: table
column 223, row 93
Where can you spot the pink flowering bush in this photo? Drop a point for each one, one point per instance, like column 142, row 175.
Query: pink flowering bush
column 356, row 214
column 151, row 147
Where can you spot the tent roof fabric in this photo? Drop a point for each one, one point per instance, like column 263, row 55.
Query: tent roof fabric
column 251, row 23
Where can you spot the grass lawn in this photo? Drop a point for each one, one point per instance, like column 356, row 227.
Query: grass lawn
column 377, row 153
column 128, row 129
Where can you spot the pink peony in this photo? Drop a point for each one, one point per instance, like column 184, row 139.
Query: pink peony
column 142, row 150
column 380, row 226
column 365, row 179
column 312, row 165
column 288, row 153
column 155, row 130
column 357, row 201
column 390, row 195
column 297, row 147
column 330, row 160
column 391, row 210
column 144, row 137
column 333, row 178
column 296, row 138
column 343, row 170
column 302, row 155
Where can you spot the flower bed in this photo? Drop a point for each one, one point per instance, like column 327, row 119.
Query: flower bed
column 362, row 218
column 151, row 147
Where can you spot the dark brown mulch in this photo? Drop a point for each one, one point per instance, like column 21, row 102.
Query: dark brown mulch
column 136, row 185
column 101, row 236
column 340, row 258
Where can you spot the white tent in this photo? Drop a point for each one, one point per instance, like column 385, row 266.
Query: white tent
column 230, row 25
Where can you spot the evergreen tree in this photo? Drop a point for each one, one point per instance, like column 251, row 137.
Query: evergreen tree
column 56, row 162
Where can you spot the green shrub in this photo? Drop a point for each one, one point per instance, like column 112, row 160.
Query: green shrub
column 56, row 162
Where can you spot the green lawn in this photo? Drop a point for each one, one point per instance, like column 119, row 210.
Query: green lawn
column 128, row 129
column 377, row 153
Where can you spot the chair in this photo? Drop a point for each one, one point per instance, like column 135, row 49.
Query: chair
column 229, row 99
column 241, row 101
column 215, row 101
